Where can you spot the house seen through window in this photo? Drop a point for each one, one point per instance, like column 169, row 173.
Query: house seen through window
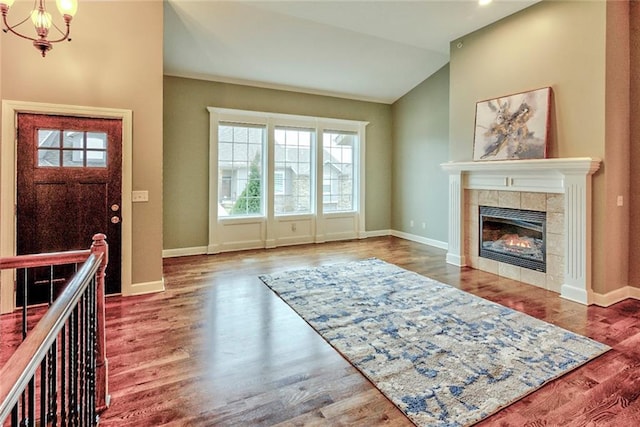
column 293, row 174
column 337, row 171
column 240, row 166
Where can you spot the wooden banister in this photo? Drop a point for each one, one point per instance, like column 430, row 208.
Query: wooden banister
column 24, row 362
column 36, row 346
column 39, row 260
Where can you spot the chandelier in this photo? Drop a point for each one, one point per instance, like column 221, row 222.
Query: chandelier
column 42, row 22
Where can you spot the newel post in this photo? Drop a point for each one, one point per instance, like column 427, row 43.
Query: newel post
column 100, row 246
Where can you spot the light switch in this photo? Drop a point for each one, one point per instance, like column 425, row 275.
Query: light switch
column 140, row 196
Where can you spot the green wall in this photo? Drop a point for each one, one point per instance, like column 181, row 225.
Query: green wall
column 421, row 144
column 186, row 148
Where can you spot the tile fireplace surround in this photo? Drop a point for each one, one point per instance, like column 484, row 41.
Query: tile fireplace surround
column 518, row 183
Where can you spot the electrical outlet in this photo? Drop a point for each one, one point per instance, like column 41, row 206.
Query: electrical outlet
column 411, row 223
column 620, row 201
column 424, row 225
column 140, row 196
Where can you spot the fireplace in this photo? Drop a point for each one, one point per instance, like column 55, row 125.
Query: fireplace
column 563, row 186
column 513, row 236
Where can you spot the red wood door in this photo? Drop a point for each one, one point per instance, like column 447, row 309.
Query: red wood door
column 69, row 180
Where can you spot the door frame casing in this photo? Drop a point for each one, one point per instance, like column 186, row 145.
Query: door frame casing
column 8, row 146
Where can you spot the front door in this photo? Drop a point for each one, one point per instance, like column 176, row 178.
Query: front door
column 69, row 176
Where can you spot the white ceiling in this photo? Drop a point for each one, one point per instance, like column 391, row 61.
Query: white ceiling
column 370, row 50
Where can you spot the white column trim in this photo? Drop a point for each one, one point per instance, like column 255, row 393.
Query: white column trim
column 455, row 253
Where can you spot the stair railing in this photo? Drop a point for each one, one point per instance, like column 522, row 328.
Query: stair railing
column 58, row 373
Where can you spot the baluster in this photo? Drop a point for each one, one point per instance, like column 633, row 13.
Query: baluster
column 63, row 372
column 81, row 358
column 73, row 369
column 32, row 402
column 51, row 290
column 94, row 351
column 23, row 407
column 14, row 416
column 102, row 386
column 52, row 383
column 43, row 392
column 24, row 304
column 24, row 335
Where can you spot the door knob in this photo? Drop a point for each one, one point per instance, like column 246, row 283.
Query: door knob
column 115, row 219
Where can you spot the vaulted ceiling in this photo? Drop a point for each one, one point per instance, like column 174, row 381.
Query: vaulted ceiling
column 370, row 50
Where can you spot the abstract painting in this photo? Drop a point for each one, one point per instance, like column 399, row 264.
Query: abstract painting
column 513, row 127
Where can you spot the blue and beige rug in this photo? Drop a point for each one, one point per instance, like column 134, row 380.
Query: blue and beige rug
column 443, row 356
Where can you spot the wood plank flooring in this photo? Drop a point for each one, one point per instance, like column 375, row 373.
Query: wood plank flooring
column 218, row 348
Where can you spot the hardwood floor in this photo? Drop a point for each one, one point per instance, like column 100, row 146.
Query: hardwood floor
column 219, row 348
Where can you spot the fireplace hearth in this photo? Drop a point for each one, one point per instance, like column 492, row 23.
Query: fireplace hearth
column 513, row 236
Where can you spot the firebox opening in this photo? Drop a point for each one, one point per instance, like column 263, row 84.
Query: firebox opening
column 513, row 236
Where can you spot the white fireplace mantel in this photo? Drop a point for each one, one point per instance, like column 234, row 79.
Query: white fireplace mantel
column 569, row 176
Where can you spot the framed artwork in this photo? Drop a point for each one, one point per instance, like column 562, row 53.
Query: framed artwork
column 513, row 127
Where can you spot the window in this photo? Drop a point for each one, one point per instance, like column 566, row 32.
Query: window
column 293, row 179
column 78, row 149
column 280, row 179
column 338, row 181
column 240, row 159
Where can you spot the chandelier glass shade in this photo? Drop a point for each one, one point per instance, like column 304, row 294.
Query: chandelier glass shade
column 42, row 22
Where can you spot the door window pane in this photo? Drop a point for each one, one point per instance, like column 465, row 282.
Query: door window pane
column 48, row 138
column 96, row 141
column 73, row 139
column 293, row 180
column 96, row 159
column 72, row 158
column 240, row 162
column 48, row 158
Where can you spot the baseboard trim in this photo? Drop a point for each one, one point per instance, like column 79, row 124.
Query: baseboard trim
column 375, row 233
column 172, row 253
column 419, row 239
column 615, row 296
column 145, row 288
column 574, row 294
column 602, row 300
column 202, row 250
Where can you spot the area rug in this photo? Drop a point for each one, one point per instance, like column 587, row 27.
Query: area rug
column 443, row 356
